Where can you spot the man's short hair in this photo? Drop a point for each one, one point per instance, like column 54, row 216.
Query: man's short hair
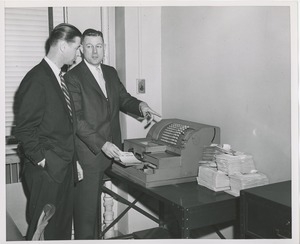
column 91, row 32
column 63, row 31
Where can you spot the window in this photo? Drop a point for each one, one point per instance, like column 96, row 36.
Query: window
column 26, row 31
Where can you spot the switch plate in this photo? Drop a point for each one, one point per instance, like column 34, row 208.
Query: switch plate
column 141, row 88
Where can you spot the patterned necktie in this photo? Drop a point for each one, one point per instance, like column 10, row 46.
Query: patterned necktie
column 66, row 93
column 101, row 81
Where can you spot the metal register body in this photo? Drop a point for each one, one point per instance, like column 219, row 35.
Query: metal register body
column 170, row 153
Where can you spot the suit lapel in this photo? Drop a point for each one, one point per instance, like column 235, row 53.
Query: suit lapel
column 91, row 79
column 56, row 86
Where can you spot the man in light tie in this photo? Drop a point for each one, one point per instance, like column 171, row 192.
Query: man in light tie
column 98, row 96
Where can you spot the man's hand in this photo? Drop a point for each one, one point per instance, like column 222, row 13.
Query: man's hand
column 79, row 171
column 111, row 150
column 42, row 163
column 148, row 113
column 146, row 110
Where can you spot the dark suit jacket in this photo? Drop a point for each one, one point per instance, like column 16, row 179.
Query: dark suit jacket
column 98, row 117
column 43, row 124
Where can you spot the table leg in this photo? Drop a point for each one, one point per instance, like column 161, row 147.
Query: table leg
column 176, row 221
column 185, row 230
column 161, row 214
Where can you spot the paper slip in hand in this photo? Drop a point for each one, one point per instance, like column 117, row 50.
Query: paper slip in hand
column 128, row 158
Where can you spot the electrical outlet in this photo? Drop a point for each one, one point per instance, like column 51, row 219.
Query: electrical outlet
column 141, row 88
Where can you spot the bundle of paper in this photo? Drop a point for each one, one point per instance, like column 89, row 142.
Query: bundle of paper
column 232, row 164
column 240, row 181
column 128, row 159
column 209, row 152
column 211, row 164
column 213, row 179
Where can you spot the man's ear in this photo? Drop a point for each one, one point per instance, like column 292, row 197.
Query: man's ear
column 81, row 50
column 62, row 45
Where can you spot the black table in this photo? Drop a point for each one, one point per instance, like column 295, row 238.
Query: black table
column 182, row 207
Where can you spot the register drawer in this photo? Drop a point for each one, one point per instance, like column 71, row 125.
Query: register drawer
column 264, row 218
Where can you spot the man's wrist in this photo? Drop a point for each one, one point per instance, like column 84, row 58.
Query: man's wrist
column 104, row 146
column 142, row 105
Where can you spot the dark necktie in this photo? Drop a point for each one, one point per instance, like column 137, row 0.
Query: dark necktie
column 66, row 93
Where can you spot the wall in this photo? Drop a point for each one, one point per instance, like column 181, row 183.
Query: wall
column 98, row 18
column 138, row 40
column 230, row 67
column 142, row 60
column 90, row 17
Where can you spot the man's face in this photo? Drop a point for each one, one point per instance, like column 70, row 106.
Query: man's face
column 93, row 49
column 72, row 50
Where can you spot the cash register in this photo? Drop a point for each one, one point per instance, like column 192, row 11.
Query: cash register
column 169, row 154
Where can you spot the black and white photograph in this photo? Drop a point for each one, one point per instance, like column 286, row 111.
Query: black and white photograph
column 160, row 121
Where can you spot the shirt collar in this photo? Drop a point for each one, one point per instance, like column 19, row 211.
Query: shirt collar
column 53, row 66
column 92, row 67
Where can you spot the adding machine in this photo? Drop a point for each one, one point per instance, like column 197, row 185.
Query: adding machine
column 170, row 153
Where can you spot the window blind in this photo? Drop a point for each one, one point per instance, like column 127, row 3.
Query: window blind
column 26, row 31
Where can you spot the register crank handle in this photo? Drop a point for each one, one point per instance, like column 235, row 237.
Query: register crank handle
column 149, row 123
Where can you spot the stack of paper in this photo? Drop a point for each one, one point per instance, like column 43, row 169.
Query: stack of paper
column 240, row 181
column 213, row 179
column 128, row 159
column 223, row 169
column 231, row 164
column 211, row 164
column 209, row 152
column 247, row 164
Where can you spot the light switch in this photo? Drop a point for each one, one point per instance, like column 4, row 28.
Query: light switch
column 141, row 86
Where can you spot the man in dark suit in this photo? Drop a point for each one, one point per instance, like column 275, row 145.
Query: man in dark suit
column 98, row 96
column 45, row 130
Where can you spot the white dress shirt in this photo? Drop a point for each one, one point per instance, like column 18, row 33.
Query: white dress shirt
column 97, row 73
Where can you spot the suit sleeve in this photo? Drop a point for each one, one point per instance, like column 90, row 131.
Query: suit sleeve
column 128, row 103
column 29, row 105
column 84, row 130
